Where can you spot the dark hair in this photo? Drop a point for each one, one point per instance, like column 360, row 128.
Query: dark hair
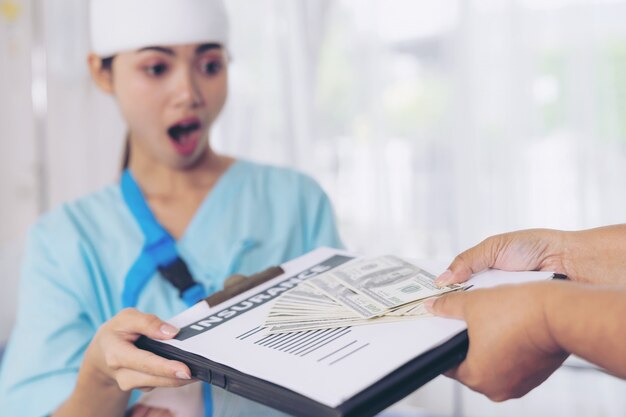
column 107, row 65
column 126, row 153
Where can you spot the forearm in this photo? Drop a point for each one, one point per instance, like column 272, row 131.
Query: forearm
column 596, row 256
column 589, row 322
column 94, row 398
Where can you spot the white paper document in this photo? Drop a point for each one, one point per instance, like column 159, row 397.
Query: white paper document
column 329, row 366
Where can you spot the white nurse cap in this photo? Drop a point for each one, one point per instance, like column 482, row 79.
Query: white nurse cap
column 125, row 25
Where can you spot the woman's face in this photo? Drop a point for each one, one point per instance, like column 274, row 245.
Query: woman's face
column 170, row 97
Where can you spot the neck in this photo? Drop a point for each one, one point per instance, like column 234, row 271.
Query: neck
column 159, row 180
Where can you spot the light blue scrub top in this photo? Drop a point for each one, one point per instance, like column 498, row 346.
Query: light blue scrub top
column 78, row 256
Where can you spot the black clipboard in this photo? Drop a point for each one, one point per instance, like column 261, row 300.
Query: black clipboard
column 370, row 401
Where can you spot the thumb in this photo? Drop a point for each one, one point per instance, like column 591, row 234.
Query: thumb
column 473, row 260
column 449, row 305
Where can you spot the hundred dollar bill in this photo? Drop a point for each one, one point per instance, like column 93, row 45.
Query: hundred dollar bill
column 368, row 291
column 357, row 302
column 295, row 321
column 388, row 280
column 307, row 319
column 308, row 295
column 318, row 325
column 289, row 306
column 414, row 309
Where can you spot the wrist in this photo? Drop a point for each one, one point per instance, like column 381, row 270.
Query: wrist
column 90, row 374
column 554, row 302
column 95, row 394
column 569, row 242
column 539, row 329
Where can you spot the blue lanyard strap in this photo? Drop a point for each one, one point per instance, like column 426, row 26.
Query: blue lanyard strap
column 159, row 252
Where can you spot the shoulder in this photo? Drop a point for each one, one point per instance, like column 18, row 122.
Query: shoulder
column 82, row 241
column 86, row 215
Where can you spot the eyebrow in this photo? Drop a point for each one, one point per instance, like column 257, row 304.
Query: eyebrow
column 207, row 46
column 200, row 49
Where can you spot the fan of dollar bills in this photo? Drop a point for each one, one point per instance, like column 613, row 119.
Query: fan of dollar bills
column 362, row 291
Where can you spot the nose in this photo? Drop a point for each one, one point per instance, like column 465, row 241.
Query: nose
column 187, row 91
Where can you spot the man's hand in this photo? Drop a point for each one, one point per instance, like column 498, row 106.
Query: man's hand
column 526, row 250
column 594, row 256
column 511, row 350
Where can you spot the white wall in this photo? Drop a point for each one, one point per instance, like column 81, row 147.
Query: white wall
column 18, row 157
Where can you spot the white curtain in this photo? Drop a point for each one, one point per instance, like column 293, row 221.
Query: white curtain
column 18, row 154
column 435, row 124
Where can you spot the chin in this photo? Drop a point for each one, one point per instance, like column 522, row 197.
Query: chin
column 189, row 162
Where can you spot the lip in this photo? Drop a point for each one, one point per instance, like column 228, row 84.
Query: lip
column 191, row 140
column 187, row 121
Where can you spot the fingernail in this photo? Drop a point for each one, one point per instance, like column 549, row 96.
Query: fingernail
column 168, row 329
column 428, row 305
column 183, row 375
column 444, row 279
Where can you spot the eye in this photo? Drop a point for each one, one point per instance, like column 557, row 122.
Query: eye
column 156, row 70
column 211, row 67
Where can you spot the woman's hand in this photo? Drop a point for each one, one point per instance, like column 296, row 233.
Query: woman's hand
column 112, row 357
column 511, row 348
column 113, row 366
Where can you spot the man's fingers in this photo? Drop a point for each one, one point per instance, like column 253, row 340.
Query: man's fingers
column 449, row 305
column 460, row 270
column 460, row 373
column 451, row 373
column 473, row 260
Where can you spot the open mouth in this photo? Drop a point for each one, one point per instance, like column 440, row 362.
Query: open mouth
column 185, row 135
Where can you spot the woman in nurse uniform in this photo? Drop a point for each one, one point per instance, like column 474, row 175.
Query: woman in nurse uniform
column 95, row 272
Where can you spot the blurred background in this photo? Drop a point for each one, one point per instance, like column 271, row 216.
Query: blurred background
column 431, row 125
